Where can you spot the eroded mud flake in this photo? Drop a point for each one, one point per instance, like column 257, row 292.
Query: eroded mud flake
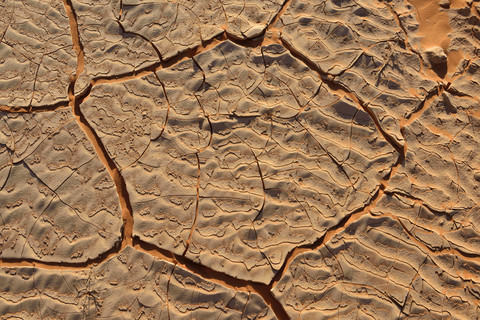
column 36, row 53
column 360, row 46
column 132, row 285
column 246, row 157
column 374, row 269
column 48, row 168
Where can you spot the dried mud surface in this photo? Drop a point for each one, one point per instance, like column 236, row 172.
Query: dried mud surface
column 239, row 159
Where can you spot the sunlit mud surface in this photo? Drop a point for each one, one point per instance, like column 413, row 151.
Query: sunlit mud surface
column 227, row 159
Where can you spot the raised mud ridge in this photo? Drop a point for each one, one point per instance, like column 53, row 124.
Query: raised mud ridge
column 239, row 159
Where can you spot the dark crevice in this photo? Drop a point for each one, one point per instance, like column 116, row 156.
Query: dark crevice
column 186, row 54
column 161, row 64
column 437, row 212
column 127, row 230
column 263, row 290
column 402, row 27
column 27, row 262
column 112, row 169
column 33, row 109
column 457, row 252
column 436, row 92
column 75, row 100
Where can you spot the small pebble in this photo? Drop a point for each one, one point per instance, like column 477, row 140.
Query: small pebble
column 477, row 176
column 444, row 4
column 436, row 55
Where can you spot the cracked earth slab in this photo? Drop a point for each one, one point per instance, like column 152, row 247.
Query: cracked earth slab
column 441, row 164
column 48, row 170
column 258, row 157
column 125, row 36
column 359, row 46
column 373, row 269
column 239, row 159
column 36, row 56
column 132, row 285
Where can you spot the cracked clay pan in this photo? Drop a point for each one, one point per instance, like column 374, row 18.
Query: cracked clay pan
column 239, row 159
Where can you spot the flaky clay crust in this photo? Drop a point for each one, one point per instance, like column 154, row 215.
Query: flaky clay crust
column 239, row 159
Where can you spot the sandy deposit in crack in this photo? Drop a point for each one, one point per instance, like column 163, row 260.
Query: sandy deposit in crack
column 436, row 31
column 92, row 135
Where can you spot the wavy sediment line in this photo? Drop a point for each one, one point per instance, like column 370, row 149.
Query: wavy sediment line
column 353, row 217
column 268, row 36
column 457, row 252
column 15, row 263
column 163, row 64
column 214, row 276
column 334, row 87
column 48, row 108
column 343, row 224
column 75, row 101
column 127, row 239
